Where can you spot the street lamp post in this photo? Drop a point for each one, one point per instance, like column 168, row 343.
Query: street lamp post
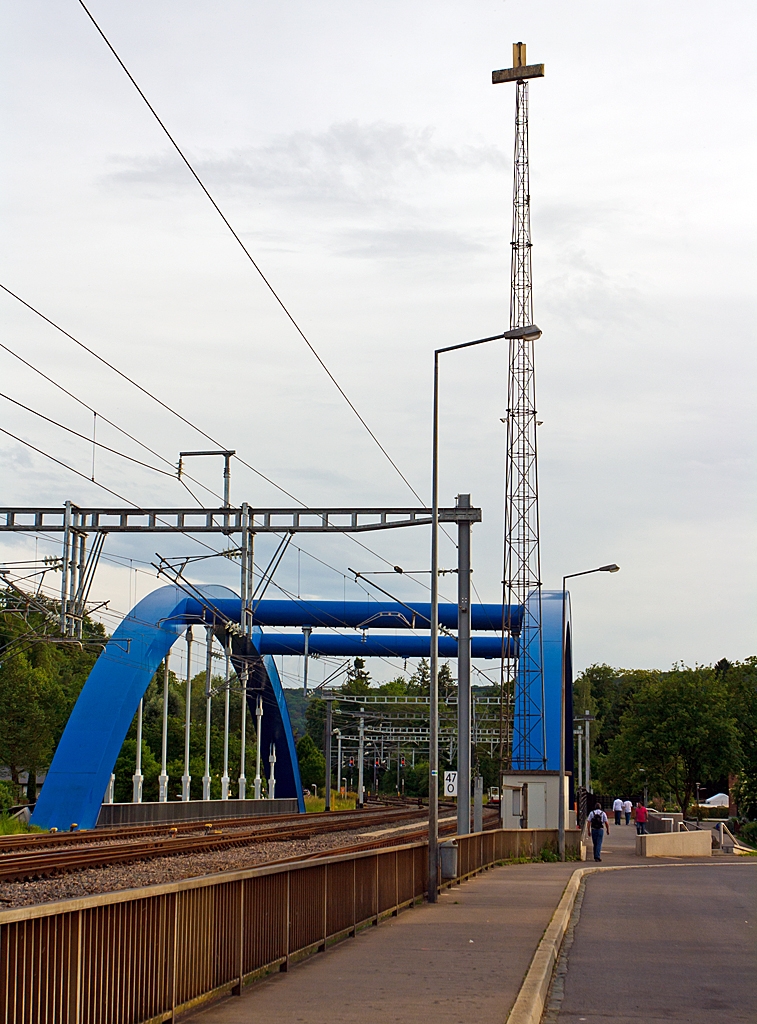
column 561, row 806
column 531, row 332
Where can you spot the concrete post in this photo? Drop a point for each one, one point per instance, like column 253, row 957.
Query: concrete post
column 272, row 773
column 587, row 752
column 463, row 670
column 208, row 685
column 163, row 777
column 186, row 778
column 327, row 805
column 361, row 760
column 242, row 782
column 478, row 804
column 258, row 734
column 65, row 568
column 138, row 778
column 227, row 677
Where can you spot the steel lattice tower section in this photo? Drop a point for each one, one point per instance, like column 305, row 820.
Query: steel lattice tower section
column 522, row 559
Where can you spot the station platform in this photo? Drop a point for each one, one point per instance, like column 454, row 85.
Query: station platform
column 461, row 961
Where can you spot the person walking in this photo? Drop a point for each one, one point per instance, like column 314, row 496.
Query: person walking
column 627, row 808
column 618, row 808
column 642, row 816
column 598, row 823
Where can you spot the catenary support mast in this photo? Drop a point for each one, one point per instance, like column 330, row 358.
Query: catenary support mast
column 522, row 562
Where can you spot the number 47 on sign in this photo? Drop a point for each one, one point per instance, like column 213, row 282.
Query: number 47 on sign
column 450, row 783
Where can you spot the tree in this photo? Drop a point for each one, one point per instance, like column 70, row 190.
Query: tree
column 679, row 729
column 312, row 763
column 315, row 720
column 124, row 770
column 419, row 683
column 358, row 678
column 39, row 680
column 606, row 692
column 32, row 705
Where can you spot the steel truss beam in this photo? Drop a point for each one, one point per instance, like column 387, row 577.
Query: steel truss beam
column 228, row 520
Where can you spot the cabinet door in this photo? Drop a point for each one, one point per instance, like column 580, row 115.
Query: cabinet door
column 537, row 805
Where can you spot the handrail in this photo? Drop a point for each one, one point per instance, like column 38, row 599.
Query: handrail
column 155, row 952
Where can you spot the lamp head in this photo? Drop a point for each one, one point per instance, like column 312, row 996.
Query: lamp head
column 609, row 568
column 530, row 332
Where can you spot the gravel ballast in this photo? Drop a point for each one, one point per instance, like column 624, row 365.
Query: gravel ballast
column 115, row 877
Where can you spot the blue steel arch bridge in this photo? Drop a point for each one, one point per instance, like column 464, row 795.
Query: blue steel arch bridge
column 83, row 762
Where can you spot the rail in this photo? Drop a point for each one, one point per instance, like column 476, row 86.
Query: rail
column 144, row 956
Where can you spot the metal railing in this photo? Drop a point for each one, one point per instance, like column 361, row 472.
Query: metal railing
column 148, row 955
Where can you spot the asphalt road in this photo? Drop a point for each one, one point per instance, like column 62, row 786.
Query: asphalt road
column 672, row 943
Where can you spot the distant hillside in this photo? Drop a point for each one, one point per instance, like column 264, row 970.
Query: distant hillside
column 296, row 704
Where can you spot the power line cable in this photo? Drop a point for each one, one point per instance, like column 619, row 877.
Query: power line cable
column 97, row 483
column 248, row 254
column 143, row 390
column 89, row 440
column 179, row 416
column 110, row 422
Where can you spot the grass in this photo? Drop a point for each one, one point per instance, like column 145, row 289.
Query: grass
column 314, row 804
column 13, row 827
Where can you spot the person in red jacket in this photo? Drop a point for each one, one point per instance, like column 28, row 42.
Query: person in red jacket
column 642, row 816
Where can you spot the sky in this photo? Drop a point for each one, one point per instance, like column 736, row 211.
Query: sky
column 364, row 158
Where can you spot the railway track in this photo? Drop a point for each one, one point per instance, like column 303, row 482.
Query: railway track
column 45, row 855
column 128, row 832
column 447, row 827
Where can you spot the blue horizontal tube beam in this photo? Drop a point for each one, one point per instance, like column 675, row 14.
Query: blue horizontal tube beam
column 365, row 614
column 381, row 646
column 376, row 614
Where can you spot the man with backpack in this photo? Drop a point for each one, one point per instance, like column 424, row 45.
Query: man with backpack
column 598, row 824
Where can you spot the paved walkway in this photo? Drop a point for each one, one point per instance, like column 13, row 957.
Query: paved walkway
column 665, row 944
column 459, row 962
column 463, row 961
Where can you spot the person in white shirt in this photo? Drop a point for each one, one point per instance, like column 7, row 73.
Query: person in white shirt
column 618, row 808
column 627, row 808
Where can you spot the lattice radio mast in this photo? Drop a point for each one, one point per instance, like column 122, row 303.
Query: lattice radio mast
column 522, row 560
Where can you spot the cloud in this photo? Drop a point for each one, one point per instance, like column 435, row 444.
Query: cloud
column 406, row 243
column 349, row 166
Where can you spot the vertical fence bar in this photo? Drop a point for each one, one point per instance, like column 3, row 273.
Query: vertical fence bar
column 146, row 957
column 237, row 990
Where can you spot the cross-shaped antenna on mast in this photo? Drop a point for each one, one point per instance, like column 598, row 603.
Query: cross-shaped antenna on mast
column 522, row 558
column 520, row 70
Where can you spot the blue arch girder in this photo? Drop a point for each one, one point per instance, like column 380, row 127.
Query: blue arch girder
column 83, row 762
column 84, row 759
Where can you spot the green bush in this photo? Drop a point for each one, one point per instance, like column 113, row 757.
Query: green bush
column 749, row 833
column 312, row 763
column 709, row 812
column 745, row 794
column 8, row 796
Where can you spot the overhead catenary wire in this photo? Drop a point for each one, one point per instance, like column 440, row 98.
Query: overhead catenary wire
column 144, row 391
column 110, row 422
column 183, row 419
column 89, row 440
column 248, row 254
column 96, row 483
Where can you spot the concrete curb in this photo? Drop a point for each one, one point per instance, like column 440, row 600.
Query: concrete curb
column 529, row 1005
